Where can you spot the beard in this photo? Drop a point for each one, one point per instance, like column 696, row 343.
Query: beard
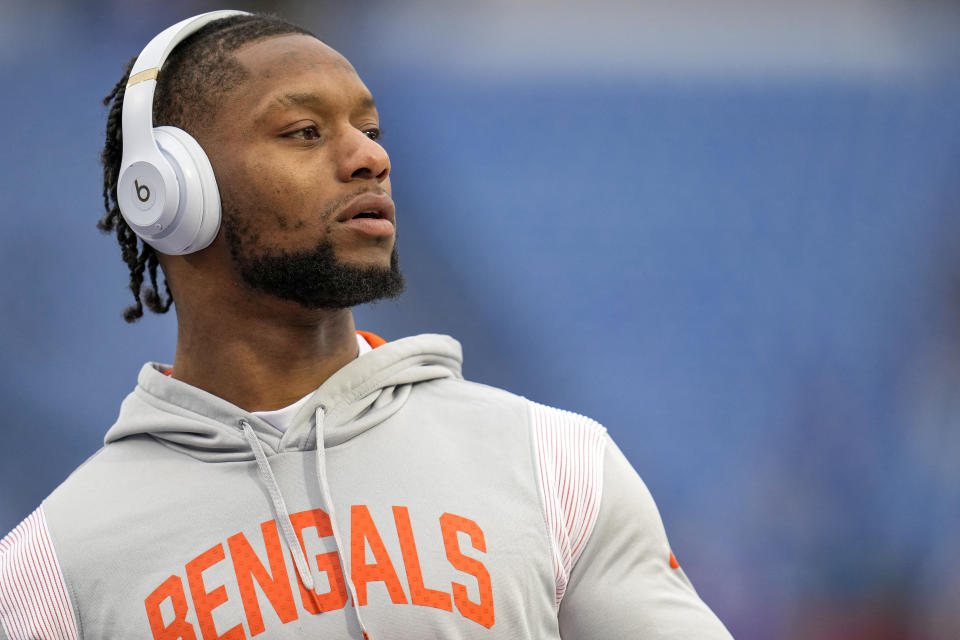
column 313, row 278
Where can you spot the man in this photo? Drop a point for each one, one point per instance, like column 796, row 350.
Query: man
column 289, row 474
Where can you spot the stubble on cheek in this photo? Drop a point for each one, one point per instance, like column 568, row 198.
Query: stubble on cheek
column 257, row 225
column 257, row 208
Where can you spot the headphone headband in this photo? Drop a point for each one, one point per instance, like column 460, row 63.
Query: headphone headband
column 153, row 56
column 150, row 188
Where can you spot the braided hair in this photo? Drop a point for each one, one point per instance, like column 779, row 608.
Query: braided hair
column 194, row 78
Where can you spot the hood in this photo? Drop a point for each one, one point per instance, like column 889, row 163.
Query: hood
column 361, row 395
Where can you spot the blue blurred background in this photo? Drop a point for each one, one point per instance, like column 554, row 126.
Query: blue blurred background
column 728, row 231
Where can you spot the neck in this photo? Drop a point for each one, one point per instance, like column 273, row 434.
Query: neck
column 262, row 358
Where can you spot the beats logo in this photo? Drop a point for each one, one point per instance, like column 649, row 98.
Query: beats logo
column 143, row 191
column 142, row 197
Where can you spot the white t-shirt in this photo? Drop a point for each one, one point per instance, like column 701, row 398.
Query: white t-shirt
column 280, row 418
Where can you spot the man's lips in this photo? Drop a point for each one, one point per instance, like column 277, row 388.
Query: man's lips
column 370, row 213
column 370, row 205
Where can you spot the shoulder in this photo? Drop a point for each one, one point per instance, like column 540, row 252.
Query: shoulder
column 568, row 458
column 562, row 451
column 34, row 601
column 564, row 432
column 569, row 455
column 471, row 402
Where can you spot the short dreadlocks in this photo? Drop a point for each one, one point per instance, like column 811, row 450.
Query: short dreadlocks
column 194, row 78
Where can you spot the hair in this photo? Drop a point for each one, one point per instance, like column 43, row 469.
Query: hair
column 195, row 77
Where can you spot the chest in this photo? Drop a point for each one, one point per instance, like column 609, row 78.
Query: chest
column 423, row 549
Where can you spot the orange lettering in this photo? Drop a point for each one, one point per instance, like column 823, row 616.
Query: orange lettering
column 363, row 531
column 203, row 602
column 248, row 568
column 336, row 598
column 482, row 612
column 419, row 594
column 171, row 588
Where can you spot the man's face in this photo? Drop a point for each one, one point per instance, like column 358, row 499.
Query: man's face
column 304, row 184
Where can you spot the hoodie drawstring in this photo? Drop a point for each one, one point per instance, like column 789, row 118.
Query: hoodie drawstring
column 279, row 506
column 331, row 512
column 283, row 515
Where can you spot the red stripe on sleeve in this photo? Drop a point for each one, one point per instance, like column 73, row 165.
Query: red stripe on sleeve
column 33, row 594
column 569, row 452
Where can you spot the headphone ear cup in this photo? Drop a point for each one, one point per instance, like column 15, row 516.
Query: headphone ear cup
column 198, row 214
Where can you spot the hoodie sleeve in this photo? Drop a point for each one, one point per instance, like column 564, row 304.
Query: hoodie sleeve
column 34, row 604
column 615, row 574
column 627, row 583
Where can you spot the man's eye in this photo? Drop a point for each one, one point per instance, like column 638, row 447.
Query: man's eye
column 373, row 133
column 307, row 133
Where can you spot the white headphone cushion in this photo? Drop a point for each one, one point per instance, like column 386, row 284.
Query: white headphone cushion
column 198, row 216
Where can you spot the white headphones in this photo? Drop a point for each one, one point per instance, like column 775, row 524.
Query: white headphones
column 167, row 192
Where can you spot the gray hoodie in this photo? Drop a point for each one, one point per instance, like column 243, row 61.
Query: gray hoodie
column 434, row 508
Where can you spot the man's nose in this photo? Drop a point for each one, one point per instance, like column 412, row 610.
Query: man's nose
column 366, row 159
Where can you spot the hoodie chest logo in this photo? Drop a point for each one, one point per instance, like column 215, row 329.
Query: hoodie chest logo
column 172, row 613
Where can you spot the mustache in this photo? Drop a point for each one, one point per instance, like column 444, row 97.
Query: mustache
column 333, row 207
